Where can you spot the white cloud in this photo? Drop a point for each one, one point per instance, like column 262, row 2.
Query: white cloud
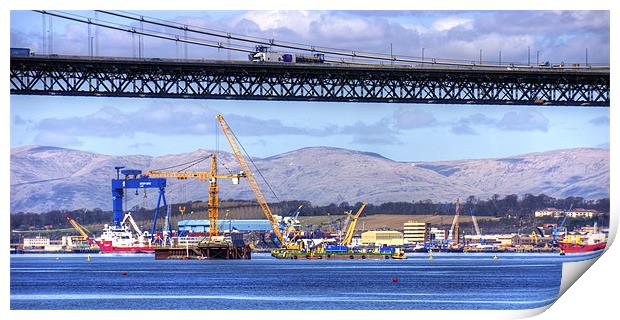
column 163, row 118
column 336, row 26
column 413, row 119
column 416, row 28
column 559, row 36
column 448, row 23
column 298, row 21
column 57, row 139
column 600, row 121
column 524, row 120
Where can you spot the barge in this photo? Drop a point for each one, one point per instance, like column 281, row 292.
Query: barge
column 392, row 253
column 215, row 248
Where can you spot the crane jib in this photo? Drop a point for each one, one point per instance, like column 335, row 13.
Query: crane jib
column 251, row 180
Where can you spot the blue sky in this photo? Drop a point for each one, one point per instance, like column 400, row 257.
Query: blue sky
column 403, row 132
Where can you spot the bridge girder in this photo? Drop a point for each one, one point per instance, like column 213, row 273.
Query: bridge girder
column 156, row 78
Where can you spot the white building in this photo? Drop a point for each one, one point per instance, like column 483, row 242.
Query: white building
column 576, row 213
column 583, row 213
column 438, row 234
column 36, row 242
column 416, row 232
column 548, row 212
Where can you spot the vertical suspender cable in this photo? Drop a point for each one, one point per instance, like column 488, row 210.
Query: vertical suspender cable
column 185, row 38
column 51, row 34
column 96, row 35
column 43, row 34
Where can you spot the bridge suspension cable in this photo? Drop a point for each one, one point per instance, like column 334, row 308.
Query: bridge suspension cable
column 164, row 36
column 307, row 48
column 148, row 33
column 246, row 49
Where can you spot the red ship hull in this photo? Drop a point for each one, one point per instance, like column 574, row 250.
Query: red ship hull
column 573, row 247
column 107, row 247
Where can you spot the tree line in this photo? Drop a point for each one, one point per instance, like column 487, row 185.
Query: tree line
column 509, row 207
column 496, row 206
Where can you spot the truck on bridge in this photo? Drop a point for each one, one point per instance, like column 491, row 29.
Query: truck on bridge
column 23, row 52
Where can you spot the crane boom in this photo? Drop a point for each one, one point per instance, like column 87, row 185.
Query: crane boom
column 132, row 221
column 183, row 175
column 288, row 224
column 557, row 228
column 251, row 180
column 454, row 229
column 351, row 229
column 475, row 221
column 81, row 230
column 296, row 213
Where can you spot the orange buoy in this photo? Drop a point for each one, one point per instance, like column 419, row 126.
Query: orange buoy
column 124, row 273
column 394, row 279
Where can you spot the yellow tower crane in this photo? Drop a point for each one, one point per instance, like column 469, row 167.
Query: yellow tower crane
column 203, row 176
column 252, row 181
column 351, row 228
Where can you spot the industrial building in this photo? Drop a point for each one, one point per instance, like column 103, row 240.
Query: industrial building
column 439, row 234
column 416, row 232
column 66, row 244
column 380, row 238
column 260, row 225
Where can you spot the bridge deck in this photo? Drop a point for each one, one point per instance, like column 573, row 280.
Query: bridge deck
column 212, row 79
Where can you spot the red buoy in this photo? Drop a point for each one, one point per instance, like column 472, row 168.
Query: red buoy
column 394, row 279
column 124, row 273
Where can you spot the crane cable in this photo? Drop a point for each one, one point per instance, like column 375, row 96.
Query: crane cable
column 254, row 164
column 193, row 162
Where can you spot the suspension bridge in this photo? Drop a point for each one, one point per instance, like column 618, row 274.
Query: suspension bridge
column 316, row 74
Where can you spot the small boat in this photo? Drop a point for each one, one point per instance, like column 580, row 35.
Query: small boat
column 399, row 254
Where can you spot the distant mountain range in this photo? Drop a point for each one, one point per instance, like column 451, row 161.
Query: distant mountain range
column 47, row 178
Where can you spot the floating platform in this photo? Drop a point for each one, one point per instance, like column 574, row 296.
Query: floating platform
column 205, row 250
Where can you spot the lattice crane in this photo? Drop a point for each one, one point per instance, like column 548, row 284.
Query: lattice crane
column 85, row 233
column 203, row 176
column 351, row 228
column 455, row 228
column 251, row 180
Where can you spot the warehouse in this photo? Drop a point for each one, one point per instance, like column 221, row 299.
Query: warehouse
column 379, row 238
column 260, row 225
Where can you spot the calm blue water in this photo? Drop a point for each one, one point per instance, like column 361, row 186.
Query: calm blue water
column 449, row 281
